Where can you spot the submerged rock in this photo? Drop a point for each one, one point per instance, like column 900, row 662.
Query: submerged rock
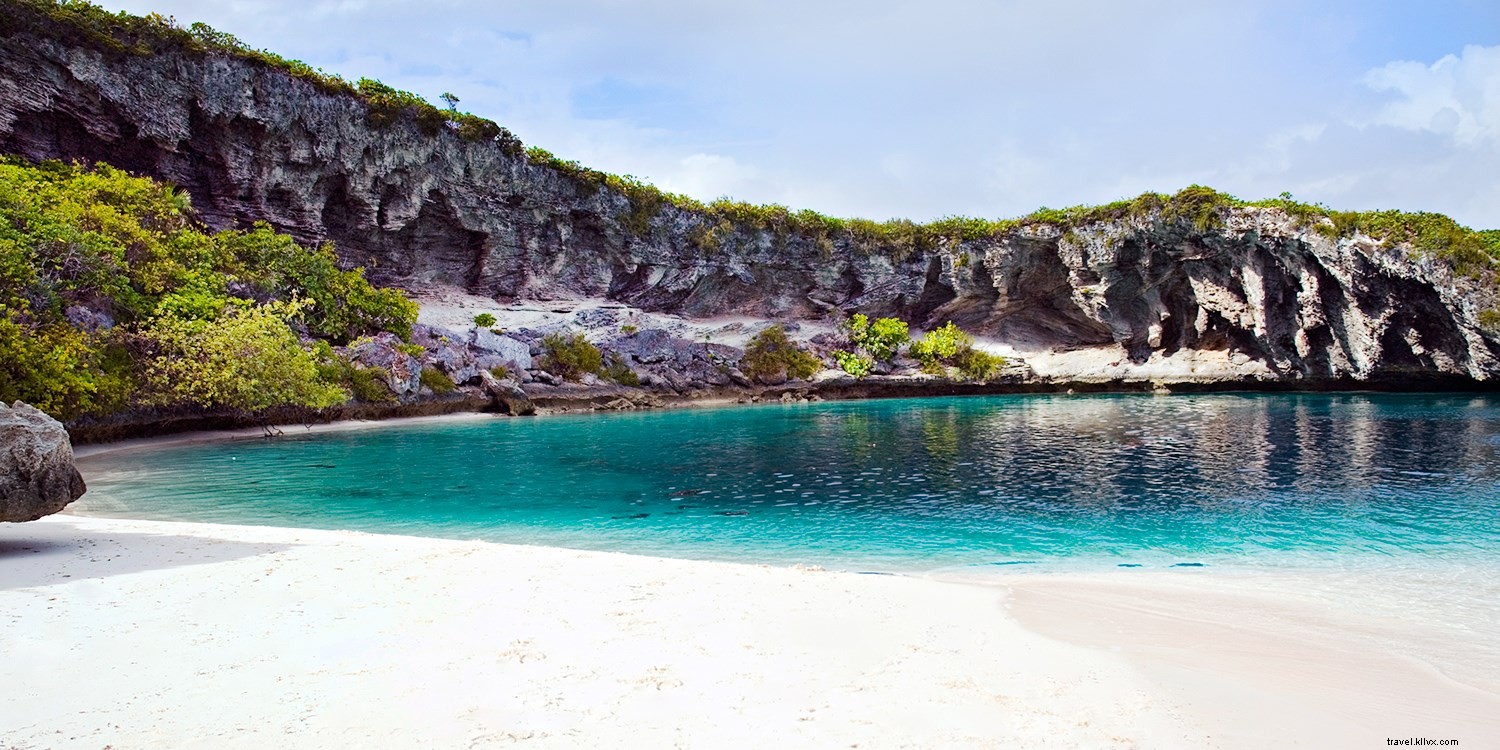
column 37, row 476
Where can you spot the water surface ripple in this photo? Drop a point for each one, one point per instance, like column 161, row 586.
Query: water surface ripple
column 902, row 485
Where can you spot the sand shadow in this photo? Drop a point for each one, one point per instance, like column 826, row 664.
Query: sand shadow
column 52, row 552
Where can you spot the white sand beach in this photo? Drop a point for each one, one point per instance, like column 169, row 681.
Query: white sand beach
column 138, row 634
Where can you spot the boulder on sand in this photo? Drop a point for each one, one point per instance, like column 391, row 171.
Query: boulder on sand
column 37, row 475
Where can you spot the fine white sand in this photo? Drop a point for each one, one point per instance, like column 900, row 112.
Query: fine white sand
column 147, row 634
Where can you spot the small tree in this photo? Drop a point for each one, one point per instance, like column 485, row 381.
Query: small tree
column 484, row 320
column 450, row 100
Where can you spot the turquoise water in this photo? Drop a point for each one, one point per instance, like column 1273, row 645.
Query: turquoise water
column 903, row 486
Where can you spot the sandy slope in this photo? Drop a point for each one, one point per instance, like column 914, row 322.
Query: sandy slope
column 147, row 634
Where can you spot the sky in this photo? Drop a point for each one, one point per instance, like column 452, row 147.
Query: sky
column 919, row 110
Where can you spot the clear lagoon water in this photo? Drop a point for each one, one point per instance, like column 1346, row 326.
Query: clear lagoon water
column 916, row 485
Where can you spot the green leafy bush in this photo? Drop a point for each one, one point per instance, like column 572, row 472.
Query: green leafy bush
column 485, row 320
column 569, row 356
column 858, row 365
column 59, row 369
column 977, row 364
column 437, row 381
column 411, row 350
column 500, row 372
column 126, row 251
column 939, row 346
column 366, row 384
column 246, row 360
column 950, row 346
column 881, row 339
column 771, row 354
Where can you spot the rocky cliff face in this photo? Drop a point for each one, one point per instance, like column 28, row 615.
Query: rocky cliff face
column 251, row 143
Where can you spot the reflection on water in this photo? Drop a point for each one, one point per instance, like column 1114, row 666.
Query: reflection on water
column 907, row 485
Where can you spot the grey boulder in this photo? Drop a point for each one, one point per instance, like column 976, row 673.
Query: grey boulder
column 37, row 475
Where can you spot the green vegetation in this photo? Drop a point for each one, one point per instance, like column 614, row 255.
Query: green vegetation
column 485, row 320
column 628, row 329
column 872, row 342
column 569, row 356
column 977, row 364
column 245, row 360
column 771, row 355
column 87, row 25
column 366, row 384
column 948, row 346
column 881, row 339
column 437, row 381
column 858, row 365
column 618, row 370
column 122, row 257
column 500, row 372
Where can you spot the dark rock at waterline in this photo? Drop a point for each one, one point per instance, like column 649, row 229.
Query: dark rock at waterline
column 734, row 513
column 506, row 395
column 688, row 493
column 37, row 475
column 632, row 517
column 1189, row 565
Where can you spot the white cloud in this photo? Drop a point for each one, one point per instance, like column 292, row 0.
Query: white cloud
column 1457, row 96
column 703, row 174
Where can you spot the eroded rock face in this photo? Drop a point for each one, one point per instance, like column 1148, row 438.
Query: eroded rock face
column 251, row 143
column 37, row 476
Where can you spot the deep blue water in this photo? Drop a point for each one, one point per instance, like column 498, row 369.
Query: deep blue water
column 904, row 485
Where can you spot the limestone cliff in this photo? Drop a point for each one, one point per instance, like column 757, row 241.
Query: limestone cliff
column 252, row 143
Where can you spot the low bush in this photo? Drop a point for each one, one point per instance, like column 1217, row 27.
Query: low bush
column 437, row 380
column 484, row 320
column 619, row 371
column 881, row 339
column 977, row 364
column 938, row 346
column 569, row 356
column 771, row 354
column 858, row 365
column 949, row 346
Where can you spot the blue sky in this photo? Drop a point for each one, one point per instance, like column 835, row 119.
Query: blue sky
column 919, row 110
